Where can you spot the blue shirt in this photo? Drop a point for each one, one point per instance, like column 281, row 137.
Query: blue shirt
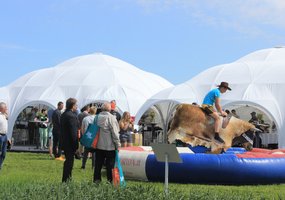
column 210, row 98
column 49, row 113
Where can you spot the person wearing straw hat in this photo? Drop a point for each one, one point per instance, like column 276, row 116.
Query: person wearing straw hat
column 213, row 97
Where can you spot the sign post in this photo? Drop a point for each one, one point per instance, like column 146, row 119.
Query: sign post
column 166, row 153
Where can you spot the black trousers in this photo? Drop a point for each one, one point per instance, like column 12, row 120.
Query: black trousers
column 68, row 165
column 31, row 130
column 85, row 157
column 56, row 150
column 100, row 156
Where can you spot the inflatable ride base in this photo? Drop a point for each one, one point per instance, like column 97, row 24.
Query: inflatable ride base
column 235, row 167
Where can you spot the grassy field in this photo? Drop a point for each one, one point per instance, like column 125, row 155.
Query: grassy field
column 36, row 176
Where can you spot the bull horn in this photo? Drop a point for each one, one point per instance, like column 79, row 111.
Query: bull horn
column 247, row 138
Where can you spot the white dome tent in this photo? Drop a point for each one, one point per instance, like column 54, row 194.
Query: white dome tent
column 165, row 102
column 89, row 78
column 256, row 79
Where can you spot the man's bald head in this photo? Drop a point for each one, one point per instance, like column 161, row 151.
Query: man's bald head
column 106, row 107
column 3, row 106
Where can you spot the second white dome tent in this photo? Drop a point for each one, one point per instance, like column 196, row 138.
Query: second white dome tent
column 257, row 80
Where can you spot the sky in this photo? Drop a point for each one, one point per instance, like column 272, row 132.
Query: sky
column 175, row 39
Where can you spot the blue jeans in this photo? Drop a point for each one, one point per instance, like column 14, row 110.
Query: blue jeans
column 126, row 137
column 3, row 148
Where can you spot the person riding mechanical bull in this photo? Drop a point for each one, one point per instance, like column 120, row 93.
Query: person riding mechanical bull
column 203, row 126
column 213, row 97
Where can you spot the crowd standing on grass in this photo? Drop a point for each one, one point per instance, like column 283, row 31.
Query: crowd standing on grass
column 3, row 131
column 69, row 126
column 107, row 144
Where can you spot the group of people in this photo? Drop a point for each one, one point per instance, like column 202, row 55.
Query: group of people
column 67, row 127
column 87, row 117
column 107, row 144
column 114, row 131
column 48, row 123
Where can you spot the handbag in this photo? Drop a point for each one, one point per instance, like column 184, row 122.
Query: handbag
column 90, row 138
column 117, row 173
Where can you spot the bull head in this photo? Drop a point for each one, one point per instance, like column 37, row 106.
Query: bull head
column 246, row 139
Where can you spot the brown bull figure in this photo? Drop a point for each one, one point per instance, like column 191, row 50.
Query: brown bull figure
column 192, row 126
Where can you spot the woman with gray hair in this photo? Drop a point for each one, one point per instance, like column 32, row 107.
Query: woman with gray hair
column 107, row 144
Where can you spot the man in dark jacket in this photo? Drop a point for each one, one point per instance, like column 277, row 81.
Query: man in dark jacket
column 114, row 111
column 56, row 149
column 69, row 140
column 84, row 113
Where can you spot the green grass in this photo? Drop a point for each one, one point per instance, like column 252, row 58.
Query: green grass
column 36, row 176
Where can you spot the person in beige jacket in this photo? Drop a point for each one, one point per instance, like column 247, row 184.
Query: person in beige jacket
column 107, row 144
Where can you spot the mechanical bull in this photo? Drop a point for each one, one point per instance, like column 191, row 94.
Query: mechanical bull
column 192, row 126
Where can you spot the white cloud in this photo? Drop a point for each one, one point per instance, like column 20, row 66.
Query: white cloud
column 15, row 47
column 254, row 17
column 11, row 46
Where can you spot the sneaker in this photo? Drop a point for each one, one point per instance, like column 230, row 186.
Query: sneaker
column 218, row 138
column 60, row 158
